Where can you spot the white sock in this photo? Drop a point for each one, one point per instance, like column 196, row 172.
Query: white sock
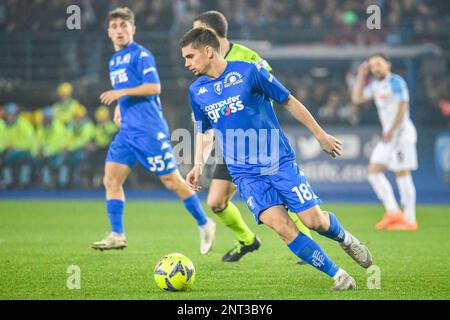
column 347, row 239
column 407, row 196
column 339, row 273
column 383, row 190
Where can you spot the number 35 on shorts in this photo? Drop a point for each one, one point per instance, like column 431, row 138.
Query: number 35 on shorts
column 157, row 163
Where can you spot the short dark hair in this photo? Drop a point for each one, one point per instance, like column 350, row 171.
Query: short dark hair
column 215, row 20
column 200, row 37
column 381, row 55
column 124, row 12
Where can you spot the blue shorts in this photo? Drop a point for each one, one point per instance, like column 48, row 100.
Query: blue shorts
column 287, row 187
column 153, row 152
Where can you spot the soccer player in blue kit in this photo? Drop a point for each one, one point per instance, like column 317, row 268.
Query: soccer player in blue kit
column 233, row 99
column 144, row 134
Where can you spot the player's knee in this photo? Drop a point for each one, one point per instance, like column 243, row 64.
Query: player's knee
column 111, row 182
column 216, row 205
column 316, row 222
column 286, row 229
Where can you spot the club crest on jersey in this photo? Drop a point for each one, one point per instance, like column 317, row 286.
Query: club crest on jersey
column 232, row 79
column 218, row 87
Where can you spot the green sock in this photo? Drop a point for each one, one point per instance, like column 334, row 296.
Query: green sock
column 231, row 217
column 303, row 229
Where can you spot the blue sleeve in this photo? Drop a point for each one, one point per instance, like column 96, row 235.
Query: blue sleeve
column 265, row 83
column 202, row 123
column 399, row 89
column 146, row 68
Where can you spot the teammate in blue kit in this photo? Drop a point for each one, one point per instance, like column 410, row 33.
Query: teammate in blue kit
column 144, row 135
column 233, row 99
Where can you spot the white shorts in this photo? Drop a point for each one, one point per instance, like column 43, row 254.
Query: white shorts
column 398, row 154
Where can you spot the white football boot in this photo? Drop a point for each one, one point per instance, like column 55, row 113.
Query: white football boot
column 344, row 282
column 207, row 236
column 358, row 251
column 113, row 241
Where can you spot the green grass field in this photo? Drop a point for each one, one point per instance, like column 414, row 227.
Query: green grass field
column 39, row 240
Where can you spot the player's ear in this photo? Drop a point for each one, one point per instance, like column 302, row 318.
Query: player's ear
column 209, row 51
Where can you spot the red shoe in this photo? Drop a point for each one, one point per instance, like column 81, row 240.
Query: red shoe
column 403, row 226
column 389, row 219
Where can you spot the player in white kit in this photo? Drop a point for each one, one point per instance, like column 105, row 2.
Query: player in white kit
column 397, row 149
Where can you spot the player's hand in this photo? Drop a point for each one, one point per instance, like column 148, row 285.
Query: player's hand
column 117, row 118
column 193, row 178
column 363, row 69
column 331, row 145
column 110, row 96
column 387, row 136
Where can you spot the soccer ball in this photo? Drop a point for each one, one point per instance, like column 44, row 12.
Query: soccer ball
column 174, row 272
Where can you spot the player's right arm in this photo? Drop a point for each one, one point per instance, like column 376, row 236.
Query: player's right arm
column 204, row 138
column 203, row 148
column 360, row 94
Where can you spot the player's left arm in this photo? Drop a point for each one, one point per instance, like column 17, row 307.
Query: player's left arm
column 329, row 144
column 267, row 84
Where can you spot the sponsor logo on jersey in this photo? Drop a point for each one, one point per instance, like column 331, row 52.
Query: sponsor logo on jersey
column 218, row 87
column 232, row 78
column 224, row 108
column 118, row 76
column 201, row 91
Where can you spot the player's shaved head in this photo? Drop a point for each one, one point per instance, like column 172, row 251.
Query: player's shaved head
column 199, row 38
column 214, row 20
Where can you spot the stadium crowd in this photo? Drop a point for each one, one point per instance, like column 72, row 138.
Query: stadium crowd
column 64, row 144
column 333, row 22
column 56, row 146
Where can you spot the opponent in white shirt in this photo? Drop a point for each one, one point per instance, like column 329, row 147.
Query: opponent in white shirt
column 397, row 149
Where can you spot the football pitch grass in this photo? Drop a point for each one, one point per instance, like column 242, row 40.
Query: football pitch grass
column 39, row 240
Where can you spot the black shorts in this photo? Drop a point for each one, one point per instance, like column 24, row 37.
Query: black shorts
column 221, row 172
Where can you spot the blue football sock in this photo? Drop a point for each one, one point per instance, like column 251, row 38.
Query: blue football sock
column 335, row 232
column 115, row 213
column 194, row 206
column 308, row 250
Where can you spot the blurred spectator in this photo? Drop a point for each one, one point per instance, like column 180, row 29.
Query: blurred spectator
column 20, row 140
column 105, row 130
column 52, row 138
column 2, row 137
column 66, row 105
column 82, row 131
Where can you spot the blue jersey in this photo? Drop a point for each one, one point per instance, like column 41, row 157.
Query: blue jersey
column 130, row 67
column 237, row 106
